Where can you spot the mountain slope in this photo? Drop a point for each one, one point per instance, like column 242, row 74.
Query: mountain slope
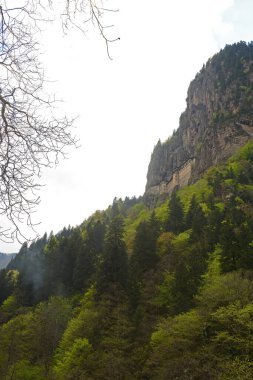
column 218, row 119
column 157, row 290
column 78, row 307
column 5, row 259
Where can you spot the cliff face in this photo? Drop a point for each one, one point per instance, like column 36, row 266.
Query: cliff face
column 218, row 119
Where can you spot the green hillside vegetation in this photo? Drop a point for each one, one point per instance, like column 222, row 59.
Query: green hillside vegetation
column 139, row 291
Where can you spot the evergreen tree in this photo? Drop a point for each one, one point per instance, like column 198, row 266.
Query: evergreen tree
column 115, row 208
column 114, row 267
column 6, row 285
column 191, row 212
column 199, row 222
column 89, row 248
column 154, row 226
column 144, row 255
column 175, row 221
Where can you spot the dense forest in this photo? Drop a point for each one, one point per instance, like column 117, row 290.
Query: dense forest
column 147, row 289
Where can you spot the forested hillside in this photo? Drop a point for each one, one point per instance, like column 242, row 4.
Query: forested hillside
column 142, row 290
column 5, row 259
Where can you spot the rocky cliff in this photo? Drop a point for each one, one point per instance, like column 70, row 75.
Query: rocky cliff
column 218, row 119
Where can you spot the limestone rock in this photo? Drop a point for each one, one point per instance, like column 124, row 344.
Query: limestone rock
column 218, row 119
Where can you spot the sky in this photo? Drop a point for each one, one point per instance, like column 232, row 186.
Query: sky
column 124, row 105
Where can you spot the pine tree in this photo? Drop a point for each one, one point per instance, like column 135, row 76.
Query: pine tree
column 199, row 222
column 175, row 221
column 114, row 266
column 191, row 212
column 144, row 255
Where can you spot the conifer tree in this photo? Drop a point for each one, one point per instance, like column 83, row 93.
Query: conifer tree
column 191, row 212
column 144, row 255
column 175, row 221
column 198, row 223
column 114, row 267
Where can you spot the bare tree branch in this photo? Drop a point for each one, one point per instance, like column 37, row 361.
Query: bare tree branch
column 31, row 137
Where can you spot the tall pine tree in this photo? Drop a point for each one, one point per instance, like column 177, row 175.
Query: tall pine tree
column 175, row 221
column 114, row 266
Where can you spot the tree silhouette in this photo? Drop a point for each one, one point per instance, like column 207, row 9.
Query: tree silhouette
column 32, row 136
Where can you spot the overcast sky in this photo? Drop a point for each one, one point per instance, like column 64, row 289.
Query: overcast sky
column 127, row 104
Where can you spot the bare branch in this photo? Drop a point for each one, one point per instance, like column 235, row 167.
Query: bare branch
column 31, row 137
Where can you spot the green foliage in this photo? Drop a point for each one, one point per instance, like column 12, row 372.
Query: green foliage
column 17, row 341
column 185, row 331
column 114, row 266
column 164, row 243
column 237, row 369
column 197, row 190
column 139, row 292
column 136, row 214
column 49, row 322
column 82, row 325
column 24, row 370
column 9, row 308
column 75, row 364
column 164, row 298
column 144, row 255
column 225, row 289
column 162, row 212
column 175, row 222
column 219, row 329
column 8, row 281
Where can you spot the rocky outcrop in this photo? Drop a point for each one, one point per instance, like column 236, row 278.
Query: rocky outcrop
column 218, row 119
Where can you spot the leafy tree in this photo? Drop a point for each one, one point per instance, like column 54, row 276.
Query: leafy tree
column 164, row 243
column 173, row 345
column 75, row 363
column 206, row 340
column 49, row 322
column 9, row 308
column 6, row 284
column 84, row 323
column 165, row 297
column 237, row 369
column 25, row 370
column 16, row 342
column 106, row 326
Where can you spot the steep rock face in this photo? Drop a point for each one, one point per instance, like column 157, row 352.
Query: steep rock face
column 218, row 119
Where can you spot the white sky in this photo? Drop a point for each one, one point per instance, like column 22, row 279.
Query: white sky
column 127, row 104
